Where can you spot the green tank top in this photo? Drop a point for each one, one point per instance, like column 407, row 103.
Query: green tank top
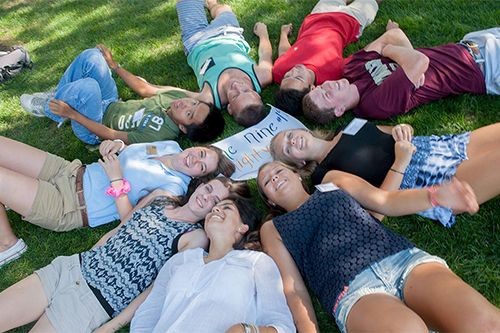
column 210, row 58
column 145, row 120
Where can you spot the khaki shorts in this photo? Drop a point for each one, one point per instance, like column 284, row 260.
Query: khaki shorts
column 72, row 305
column 364, row 11
column 56, row 205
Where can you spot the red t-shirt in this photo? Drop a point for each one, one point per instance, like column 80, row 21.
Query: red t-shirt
column 319, row 45
column 385, row 90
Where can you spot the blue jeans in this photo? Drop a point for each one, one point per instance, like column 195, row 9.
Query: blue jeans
column 195, row 27
column 88, row 87
column 387, row 276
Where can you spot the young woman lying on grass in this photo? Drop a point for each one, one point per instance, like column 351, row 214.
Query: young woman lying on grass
column 61, row 195
column 366, row 277
column 82, row 292
column 227, row 289
column 391, row 158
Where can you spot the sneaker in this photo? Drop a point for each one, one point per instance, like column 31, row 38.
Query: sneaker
column 35, row 104
column 13, row 252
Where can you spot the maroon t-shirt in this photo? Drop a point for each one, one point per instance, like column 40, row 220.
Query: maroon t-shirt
column 385, row 90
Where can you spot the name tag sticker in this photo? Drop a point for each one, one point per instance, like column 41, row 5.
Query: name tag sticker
column 354, row 126
column 138, row 115
column 328, row 187
column 151, row 150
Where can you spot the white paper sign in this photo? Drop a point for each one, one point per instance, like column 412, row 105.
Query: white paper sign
column 249, row 149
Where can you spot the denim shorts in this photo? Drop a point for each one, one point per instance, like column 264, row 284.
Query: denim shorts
column 195, row 27
column 436, row 161
column 387, row 276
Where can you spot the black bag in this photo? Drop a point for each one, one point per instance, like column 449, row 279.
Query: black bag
column 12, row 61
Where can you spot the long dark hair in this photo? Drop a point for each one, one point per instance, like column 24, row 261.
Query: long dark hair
column 251, row 217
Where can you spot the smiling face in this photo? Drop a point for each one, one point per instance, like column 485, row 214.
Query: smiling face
column 278, row 183
column 293, row 146
column 240, row 94
column 337, row 95
column 225, row 221
column 187, row 111
column 196, row 161
column 206, row 196
column 297, row 78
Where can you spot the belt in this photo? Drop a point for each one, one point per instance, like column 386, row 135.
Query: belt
column 80, row 197
column 473, row 50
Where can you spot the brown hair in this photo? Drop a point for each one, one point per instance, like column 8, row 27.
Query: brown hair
column 250, row 115
column 224, row 166
column 314, row 113
column 275, row 209
column 235, row 188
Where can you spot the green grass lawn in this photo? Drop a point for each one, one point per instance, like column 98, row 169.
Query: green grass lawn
column 145, row 38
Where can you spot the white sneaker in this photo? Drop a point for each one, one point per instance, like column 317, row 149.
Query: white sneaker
column 35, row 104
column 13, row 252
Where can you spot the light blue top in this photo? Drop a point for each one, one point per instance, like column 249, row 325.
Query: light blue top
column 144, row 174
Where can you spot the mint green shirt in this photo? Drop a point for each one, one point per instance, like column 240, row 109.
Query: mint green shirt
column 210, row 58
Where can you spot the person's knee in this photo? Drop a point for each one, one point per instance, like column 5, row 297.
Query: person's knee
column 89, row 85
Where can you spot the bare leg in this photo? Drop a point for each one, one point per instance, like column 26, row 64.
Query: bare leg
column 7, row 237
column 448, row 304
column 18, row 192
column 43, row 325
column 20, row 157
column 216, row 8
column 22, row 303
column 481, row 169
column 383, row 313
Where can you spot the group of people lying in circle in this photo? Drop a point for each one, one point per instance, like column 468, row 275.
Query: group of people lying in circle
column 191, row 253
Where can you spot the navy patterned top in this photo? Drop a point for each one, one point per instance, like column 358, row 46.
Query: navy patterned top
column 129, row 261
column 331, row 239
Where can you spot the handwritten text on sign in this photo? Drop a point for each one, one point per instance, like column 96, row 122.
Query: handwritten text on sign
column 249, row 149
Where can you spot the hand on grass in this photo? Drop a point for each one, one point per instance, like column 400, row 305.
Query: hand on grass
column 260, row 29
column 287, row 29
column 108, row 56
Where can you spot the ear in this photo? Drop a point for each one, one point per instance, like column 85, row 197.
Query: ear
column 339, row 111
column 243, row 229
column 229, row 109
column 183, row 129
column 271, row 203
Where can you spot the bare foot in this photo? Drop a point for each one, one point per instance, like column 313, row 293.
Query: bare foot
column 287, row 29
column 391, row 25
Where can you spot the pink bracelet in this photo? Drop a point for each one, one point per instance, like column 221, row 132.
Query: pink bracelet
column 432, row 196
column 117, row 192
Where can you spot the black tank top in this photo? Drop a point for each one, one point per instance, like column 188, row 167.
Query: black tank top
column 368, row 154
